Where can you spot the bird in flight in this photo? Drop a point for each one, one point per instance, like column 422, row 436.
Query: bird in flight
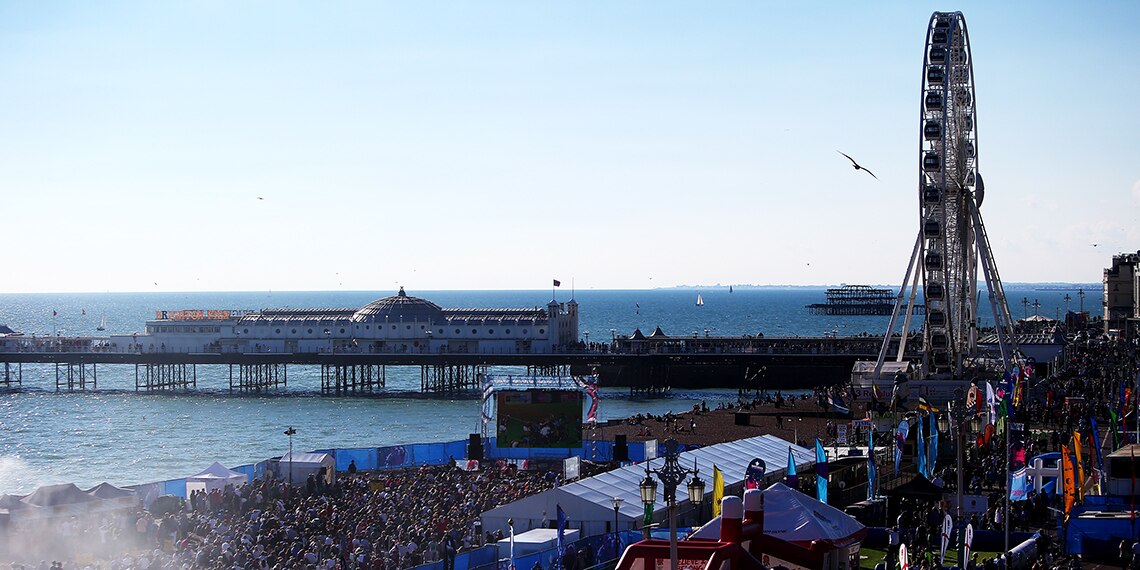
column 856, row 165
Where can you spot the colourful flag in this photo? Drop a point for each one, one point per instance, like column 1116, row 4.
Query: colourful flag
column 920, row 448
column 1068, row 484
column 924, row 406
column 793, row 478
column 754, row 474
column 717, row 490
column 1113, row 428
column 1080, row 466
column 900, row 441
column 561, row 531
column 1099, row 458
column 932, row 460
column 872, row 473
column 991, row 407
column 820, row 472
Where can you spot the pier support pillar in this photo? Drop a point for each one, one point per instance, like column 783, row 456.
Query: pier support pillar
column 449, row 377
column 349, row 378
column 13, row 374
column 258, row 377
column 73, row 375
column 553, row 370
column 165, row 376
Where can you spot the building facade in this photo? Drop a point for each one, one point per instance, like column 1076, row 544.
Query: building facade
column 1121, row 293
column 396, row 324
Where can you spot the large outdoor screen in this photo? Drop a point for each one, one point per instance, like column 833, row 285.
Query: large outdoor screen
column 539, row 418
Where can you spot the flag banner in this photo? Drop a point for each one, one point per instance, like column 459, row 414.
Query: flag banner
column 1019, row 485
column 969, row 542
column 991, row 405
column 1099, row 475
column 837, row 404
column 1018, row 475
column 793, row 477
column 947, row 528
column 754, row 474
column 920, row 448
column 932, row 452
column 1080, row 466
column 925, row 406
column 1067, row 480
column 557, row 283
column 561, row 531
column 591, row 389
column 872, row 472
column 1112, row 427
column 717, row 490
column 904, row 560
column 820, row 472
column 900, row 441
column 488, row 391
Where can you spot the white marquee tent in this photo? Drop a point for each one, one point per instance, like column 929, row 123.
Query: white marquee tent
column 215, row 476
column 297, row 466
column 588, row 503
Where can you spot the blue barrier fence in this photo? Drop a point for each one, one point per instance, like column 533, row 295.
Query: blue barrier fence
column 397, row 456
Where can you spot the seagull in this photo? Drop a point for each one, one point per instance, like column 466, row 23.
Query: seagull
column 856, row 165
column 260, row 198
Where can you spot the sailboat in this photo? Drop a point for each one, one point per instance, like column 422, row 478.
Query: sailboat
column 700, row 301
column 102, row 325
column 730, row 288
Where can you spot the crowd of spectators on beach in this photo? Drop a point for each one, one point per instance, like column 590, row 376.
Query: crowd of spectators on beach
column 383, row 520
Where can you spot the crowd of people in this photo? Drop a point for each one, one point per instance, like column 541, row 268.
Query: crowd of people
column 385, row 520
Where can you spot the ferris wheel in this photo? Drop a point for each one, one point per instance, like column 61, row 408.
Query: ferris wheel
column 951, row 239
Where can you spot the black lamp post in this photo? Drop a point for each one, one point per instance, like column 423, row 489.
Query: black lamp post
column 617, row 501
column 960, row 416
column 672, row 474
column 291, row 432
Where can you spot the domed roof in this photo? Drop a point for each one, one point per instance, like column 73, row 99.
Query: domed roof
column 397, row 308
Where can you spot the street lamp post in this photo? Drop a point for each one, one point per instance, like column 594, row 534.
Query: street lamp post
column 672, row 474
column 617, row 501
column 290, row 432
column 587, row 335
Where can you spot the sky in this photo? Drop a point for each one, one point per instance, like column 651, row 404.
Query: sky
column 233, row 146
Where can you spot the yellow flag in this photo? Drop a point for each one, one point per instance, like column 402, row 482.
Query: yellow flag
column 1067, row 484
column 718, row 490
column 1080, row 466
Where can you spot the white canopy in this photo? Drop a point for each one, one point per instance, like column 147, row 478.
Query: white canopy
column 297, row 466
column 215, row 476
column 588, row 503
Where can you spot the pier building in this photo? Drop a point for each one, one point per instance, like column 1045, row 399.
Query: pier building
column 396, row 324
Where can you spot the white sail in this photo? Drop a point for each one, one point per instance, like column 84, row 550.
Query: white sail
column 700, row 301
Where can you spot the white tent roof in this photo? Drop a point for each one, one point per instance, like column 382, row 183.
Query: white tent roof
column 591, row 498
column 300, row 459
column 795, row 517
column 218, row 471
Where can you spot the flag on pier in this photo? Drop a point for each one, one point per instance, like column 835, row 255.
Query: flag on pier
column 932, row 452
column 557, row 283
column 793, row 478
column 947, row 528
column 872, row 473
column 717, row 490
column 920, row 448
column 820, row 472
column 924, row 406
column 561, row 531
column 1068, row 485
column 1080, row 466
column 900, row 441
column 1099, row 473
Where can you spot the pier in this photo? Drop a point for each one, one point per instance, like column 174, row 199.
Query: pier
column 647, row 365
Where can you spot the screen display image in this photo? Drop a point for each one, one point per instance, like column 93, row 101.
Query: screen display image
column 539, row 418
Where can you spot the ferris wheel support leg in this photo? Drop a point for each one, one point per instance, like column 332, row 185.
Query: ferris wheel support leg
column 912, row 266
column 909, row 314
column 1003, row 324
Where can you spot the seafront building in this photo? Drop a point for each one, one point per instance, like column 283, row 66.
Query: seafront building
column 1122, row 296
column 396, row 324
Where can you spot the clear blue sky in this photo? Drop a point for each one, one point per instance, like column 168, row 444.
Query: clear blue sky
column 497, row 145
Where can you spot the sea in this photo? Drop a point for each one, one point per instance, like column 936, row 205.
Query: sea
column 117, row 435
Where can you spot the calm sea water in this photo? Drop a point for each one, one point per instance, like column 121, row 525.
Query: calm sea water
column 116, row 435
